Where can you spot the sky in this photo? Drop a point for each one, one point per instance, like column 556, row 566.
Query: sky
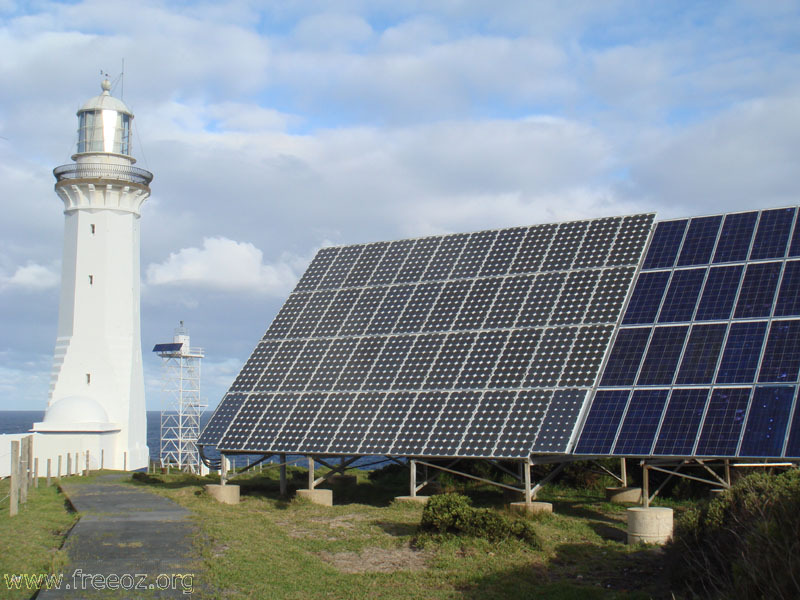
column 276, row 128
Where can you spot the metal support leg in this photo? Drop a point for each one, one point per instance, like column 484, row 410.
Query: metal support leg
column 282, row 458
column 223, row 466
column 645, row 485
column 527, row 474
column 413, row 477
column 623, row 468
column 728, row 472
column 311, row 472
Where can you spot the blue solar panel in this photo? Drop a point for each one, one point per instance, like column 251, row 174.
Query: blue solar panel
column 167, row 347
column 700, row 240
column 665, row 244
column 646, row 298
column 782, row 354
column 626, row 356
column 682, row 295
column 701, row 354
column 788, row 303
column 662, row 356
column 723, row 423
column 739, row 325
column 772, row 234
column 758, row 290
column 641, row 422
column 719, row 293
column 742, row 351
column 735, row 238
column 601, row 424
column 765, row 431
column 681, row 422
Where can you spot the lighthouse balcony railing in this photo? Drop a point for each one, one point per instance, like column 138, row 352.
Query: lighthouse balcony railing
column 103, row 171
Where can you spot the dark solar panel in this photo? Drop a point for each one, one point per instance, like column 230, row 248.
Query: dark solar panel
column 483, row 344
column 722, row 380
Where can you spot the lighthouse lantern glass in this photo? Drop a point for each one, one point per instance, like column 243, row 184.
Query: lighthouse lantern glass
column 104, row 131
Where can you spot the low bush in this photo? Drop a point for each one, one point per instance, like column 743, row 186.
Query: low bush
column 743, row 544
column 453, row 513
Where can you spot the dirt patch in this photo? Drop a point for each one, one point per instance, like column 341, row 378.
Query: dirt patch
column 377, row 560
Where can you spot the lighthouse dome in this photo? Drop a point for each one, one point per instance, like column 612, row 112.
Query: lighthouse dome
column 76, row 409
column 104, row 124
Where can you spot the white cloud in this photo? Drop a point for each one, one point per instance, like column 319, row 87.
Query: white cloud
column 31, row 277
column 225, row 264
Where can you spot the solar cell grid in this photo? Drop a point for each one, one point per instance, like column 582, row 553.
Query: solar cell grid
column 700, row 241
column 765, row 431
column 340, row 267
column 564, row 247
column 445, row 257
column 447, row 345
column 391, row 262
column 736, row 237
column 365, row 265
column 665, row 244
column 681, row 422
column 631, row 236
column 531, row 253
column 474, row 254
column 418, row 258
column 487, row 421
column 503, row 251
column 316, row 270
column 640, row 422
column 772, row 233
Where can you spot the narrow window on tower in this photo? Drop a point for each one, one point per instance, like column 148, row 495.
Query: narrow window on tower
column 88, row 378
column 92, row 227
column 91, row 279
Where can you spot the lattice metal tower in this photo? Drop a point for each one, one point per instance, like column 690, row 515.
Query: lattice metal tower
column 180, row 418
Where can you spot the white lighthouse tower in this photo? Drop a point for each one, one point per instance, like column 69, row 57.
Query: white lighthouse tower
column 97, row 385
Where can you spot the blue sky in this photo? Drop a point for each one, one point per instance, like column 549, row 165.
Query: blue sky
column 275, row 128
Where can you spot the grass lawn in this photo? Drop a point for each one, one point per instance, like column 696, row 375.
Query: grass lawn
column 365, row 546
column 30, row 542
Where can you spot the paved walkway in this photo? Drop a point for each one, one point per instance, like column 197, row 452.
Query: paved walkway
column 129, row 537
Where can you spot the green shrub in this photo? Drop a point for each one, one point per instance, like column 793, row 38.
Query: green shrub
column 743, row 544
column 453, row 513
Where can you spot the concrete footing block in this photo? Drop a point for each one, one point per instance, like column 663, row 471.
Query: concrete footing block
column 322, row 497
column 417, row 499
column 624, row 495
column 227, row 494
column 652, row 525
column 531, row 508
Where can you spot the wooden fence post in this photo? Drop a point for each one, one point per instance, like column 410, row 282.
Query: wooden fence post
column 14, row 492
column 49, row 467
column 36, row 472
column 69, row 464
column 23, row 470
column 58, row 473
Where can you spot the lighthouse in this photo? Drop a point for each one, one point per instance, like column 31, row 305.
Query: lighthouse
column 96, row 401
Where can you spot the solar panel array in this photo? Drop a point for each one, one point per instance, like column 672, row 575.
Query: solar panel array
column 474, row 345
column 705, row 362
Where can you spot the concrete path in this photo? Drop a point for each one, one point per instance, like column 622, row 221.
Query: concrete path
column 129, row 543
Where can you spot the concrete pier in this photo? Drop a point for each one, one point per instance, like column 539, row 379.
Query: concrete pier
column 652, row 525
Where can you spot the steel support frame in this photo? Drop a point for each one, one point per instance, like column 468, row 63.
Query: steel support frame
column 527, row 489
column 673, row 467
